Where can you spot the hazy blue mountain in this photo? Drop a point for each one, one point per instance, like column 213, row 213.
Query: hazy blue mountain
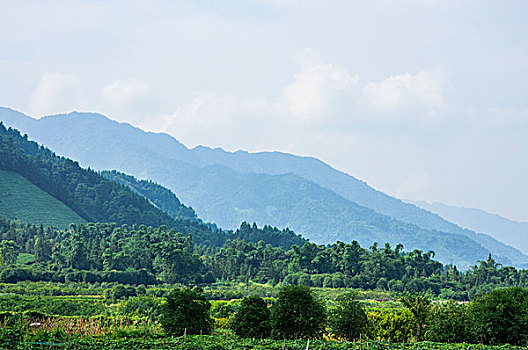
column 228, row 188
column 505, row 230
column 318, row 213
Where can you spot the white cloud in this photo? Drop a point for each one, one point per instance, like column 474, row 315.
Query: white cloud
column 122, row 92
column 209, row 108
column 56, row 93
column 316, row 86
column 130, row 100
column 313, row 95
column 424, row 89
column 231, row 121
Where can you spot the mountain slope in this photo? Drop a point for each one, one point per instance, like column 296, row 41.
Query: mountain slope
column 347, row 186
column 505, row 230
column 219, row 193
column 22, row 200
column 158, row 195
column 92, row 196
column 320, row 214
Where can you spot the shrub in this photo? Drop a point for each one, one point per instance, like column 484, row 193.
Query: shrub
column 390, row 324
column 186, row 309
column 252, row 319
column 297, row 313
column 148, row 306
column 448, row 323
column 419, row 305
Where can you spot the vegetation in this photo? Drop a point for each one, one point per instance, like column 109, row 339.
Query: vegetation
column 186, row 311
column 145, row 255
column 252, row 320
column 22, row 200
column 96, row 198
column 270, row 187
column 448, row 323
column 501, row 316
column 348, row 319
column 152, row 311
column 158, row 195
column 125, row 283
column 90, row 195
column 297, row 314
column 419, row 305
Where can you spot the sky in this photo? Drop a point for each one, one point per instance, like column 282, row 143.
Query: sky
column 422, row 99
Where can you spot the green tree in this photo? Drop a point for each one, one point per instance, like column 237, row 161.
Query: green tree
column 348, row 318
column 252, row 319
column 42, row 249
column 186, row 309
column 419, row 305
column 501, row 316
column 448, row 323
column 297, row 313
column 8, row 252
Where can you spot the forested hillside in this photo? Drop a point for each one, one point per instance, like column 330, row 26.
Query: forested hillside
column 158, row 195
column 227, row 197
column 96, row 198
column 90, row 195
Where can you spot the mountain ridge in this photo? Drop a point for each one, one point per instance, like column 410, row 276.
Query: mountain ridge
column 149, row 155
column 506, row 230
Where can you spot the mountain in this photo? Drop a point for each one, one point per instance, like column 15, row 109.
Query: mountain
column 505, row 230
column 54, row 187
column 22, row 200
column 91, row 196
column 167, row 201
column 268, row 188
column 158, row 195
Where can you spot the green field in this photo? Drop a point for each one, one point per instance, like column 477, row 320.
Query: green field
column 22, row 200
column 232, row 343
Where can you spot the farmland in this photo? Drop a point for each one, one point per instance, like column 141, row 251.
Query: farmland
column 88, row 316
column 22, row 200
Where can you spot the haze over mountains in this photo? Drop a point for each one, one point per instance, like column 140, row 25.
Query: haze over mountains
column 303, row 193
column 505, row 230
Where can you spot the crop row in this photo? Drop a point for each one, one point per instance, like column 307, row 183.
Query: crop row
column 231, row 343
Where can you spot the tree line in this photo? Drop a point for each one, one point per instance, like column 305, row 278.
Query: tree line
column 132, row 254
column 500, row 316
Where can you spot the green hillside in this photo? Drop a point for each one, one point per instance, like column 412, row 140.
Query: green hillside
column 98, row 199
column 22, row 200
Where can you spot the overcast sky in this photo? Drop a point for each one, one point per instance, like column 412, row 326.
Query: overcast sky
column 423, row 99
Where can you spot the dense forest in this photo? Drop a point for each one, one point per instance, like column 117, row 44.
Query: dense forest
column 141, row 254
column 88, row 194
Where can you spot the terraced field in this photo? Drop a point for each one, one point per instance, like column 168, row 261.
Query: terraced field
column 20, row 199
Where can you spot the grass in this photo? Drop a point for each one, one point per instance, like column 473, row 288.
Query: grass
column 20, row 199
column 24, row 258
